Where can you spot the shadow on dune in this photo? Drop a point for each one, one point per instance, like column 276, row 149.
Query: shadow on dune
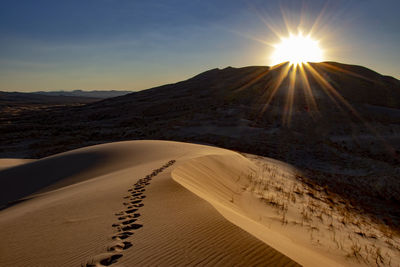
column 20, row 181
column 76, row 166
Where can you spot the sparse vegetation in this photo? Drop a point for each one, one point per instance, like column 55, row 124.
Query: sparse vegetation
column 356, row 236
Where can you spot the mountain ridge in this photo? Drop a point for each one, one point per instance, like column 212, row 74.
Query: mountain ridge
column 23, row 98
column 86, row 93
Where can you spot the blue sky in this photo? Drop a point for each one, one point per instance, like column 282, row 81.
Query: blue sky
column 133, row 45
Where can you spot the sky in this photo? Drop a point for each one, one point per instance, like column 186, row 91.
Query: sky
column 134, row 45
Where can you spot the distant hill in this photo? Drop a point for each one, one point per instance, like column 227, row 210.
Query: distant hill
column 12, row 104
column 34, row 98
column 82, row 93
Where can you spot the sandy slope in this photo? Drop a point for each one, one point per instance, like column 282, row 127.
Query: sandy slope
column 126, row 203
column 117, row 203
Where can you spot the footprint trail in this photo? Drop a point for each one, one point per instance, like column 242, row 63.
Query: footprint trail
column 127, row 221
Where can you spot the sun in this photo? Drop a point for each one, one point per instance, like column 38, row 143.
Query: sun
column 297, row 49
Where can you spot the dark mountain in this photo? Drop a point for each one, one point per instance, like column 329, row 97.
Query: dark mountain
column 81, row 93
column 345, row 137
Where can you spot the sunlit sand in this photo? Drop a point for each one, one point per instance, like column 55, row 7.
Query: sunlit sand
column 147, row 203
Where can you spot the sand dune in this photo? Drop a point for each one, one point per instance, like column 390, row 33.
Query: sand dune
column 117, row 203
column 160, row 203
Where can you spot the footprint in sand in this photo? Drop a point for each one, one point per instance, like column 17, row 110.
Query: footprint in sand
column 129, row 221
column 132, row 202
column 123, row 235
column 119, row 246
column 135, row 189
column 124, row 223
column 130, row 211
column 138, row 205
column 133, row 226
column 135, row 215
column 135, row 206
column 138, row 197
column 105, row 259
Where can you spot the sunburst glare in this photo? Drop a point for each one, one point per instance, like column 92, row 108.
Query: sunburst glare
column 297, row 49
column 301, row 50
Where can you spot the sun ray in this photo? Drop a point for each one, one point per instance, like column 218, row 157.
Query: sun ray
column 288, row 110
column 309, row 96
column 302, row 16
column 318, row 20
column 285, row 20
column 268, row 24
column 338, row 69
column 252, row 81
column 281, row 77
column 250, row 37
column 332, row 92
